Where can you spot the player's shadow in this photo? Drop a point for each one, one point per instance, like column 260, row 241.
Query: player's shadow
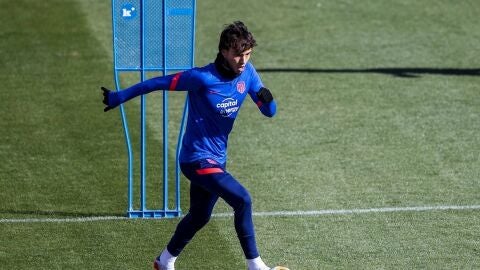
column 396, row 72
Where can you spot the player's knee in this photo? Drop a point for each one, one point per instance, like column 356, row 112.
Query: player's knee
column 198, row 219
column 202, row 222
column 202, row 218
column 247, row 200
column 244, row 202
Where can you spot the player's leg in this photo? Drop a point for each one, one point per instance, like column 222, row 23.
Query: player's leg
column 218, row 181
column 237, row 196
column 207, row 183
column 201, row 206
column 228, row 188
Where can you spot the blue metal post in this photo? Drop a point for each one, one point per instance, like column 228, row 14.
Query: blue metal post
column 165, row 114
column 122, row 115
column 143, row 102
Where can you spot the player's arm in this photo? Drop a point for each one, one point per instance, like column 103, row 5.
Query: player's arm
column 265, row 101
column 170, row 83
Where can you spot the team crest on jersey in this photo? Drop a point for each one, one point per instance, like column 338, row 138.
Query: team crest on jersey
column 241, row 87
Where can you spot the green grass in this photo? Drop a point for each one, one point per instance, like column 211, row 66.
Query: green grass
column 378, row 106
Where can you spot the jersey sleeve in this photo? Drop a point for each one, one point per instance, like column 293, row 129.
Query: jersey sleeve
column 255, row 81
column 182, row 81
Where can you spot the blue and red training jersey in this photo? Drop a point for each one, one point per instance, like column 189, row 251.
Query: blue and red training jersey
column 214, row 101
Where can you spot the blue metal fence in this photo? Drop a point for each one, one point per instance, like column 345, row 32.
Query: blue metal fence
column 152, row 36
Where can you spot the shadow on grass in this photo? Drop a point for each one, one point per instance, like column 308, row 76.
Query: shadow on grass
column 397, row 72
column 53, row 213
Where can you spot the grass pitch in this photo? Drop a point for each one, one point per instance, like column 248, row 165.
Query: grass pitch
column 378, row 106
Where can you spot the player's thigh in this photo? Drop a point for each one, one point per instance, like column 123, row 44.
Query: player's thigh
column 201, row 200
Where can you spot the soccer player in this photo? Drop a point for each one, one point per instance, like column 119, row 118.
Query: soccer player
column 215, row 94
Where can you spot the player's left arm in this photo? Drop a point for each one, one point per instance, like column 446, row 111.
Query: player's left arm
column 261, row 95
column 265, row 101
column 186, row 81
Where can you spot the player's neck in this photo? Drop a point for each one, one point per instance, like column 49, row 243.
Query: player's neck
column 222, row 67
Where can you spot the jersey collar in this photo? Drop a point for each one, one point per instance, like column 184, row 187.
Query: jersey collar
column 222, row 67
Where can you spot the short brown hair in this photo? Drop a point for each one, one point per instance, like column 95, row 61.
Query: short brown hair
column 236, row 36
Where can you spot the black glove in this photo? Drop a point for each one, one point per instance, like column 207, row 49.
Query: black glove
column 264, row 95
column 106, row 93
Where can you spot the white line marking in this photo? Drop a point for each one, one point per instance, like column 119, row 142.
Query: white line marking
column 358, row 211
column 60, row 220
column 372, row 210
column 267, row 214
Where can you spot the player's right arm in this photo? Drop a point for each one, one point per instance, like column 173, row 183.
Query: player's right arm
column 179, row 81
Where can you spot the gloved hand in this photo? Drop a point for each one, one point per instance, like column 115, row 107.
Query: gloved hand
column 264, row 95
column 107, row 99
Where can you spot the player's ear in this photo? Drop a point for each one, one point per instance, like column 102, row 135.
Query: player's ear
column 224, row 52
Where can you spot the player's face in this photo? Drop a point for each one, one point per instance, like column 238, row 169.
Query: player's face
column 237, row 60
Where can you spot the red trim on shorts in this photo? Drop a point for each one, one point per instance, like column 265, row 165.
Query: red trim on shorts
column 174, row 82
column 209, row 171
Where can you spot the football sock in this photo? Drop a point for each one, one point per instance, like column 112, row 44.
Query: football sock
column 167, row 259
column 257, row 264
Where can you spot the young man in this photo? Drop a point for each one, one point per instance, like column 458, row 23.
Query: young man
column 215, row 94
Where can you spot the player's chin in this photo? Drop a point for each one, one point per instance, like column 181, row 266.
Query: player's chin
column 240, row 70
